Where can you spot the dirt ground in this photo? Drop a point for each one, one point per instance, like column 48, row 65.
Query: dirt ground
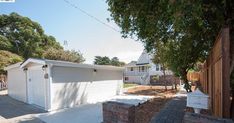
column 146, row 111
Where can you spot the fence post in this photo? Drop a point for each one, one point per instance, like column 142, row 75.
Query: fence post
column 225, row 72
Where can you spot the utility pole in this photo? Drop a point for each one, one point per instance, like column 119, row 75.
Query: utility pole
column 65, row 44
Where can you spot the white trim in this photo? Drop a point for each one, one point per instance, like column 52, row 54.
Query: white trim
column 27, row 91
column 50, row 89
column 45, row 71
column 31, row 60
column 70, row 64
column 13, row 66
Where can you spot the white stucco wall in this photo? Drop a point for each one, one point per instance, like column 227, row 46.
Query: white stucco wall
column 17, row 84
column 74, row 86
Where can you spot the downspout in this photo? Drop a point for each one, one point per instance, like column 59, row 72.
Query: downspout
column 26, row 78
column 49, row 87
column 48, row 91
column 45, row 77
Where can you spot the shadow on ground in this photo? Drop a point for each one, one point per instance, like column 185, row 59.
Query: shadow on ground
column 11, row 108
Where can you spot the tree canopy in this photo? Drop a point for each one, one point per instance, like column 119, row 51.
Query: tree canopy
column 7, row 58
column 115, row 62
column 187, row 28
column 59, row 54
column 26, row 38
column 99, row 60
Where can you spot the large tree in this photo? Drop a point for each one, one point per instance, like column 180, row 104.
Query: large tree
column 190, row 26
column 115, row 62
column 24, row 37
column 160, row 57
column 99, row 60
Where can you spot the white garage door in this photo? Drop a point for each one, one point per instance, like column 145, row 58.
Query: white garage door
column 36, row 87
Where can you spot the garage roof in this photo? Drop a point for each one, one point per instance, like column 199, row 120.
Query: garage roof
column 13, row 66
column 68, row 64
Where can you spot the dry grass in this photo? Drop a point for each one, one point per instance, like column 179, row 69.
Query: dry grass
column 146, row 111
column 151, row 91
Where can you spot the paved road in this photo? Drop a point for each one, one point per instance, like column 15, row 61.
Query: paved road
column 173, row 112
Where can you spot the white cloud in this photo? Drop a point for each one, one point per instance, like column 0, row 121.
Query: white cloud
column 129, row 56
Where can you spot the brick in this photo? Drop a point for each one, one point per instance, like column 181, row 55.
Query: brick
column 115, row 112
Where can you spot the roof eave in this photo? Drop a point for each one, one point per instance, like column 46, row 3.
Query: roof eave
column 12, row 66
column 31, row 60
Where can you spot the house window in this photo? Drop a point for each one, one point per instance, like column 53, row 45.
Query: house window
column 126, row 78
column 142, row 68
column 131, row 68
column 157, row 67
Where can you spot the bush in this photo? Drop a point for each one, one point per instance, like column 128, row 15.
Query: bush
column 60, row 54
column 8, row 58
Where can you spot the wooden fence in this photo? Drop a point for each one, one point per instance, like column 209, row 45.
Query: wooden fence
column 215, row 77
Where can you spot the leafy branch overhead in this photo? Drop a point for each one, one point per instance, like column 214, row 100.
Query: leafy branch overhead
column 187, row 28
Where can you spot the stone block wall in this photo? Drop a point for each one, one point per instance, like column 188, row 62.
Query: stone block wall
column 115, row 112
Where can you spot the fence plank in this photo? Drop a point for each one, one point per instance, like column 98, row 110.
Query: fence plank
column 214, row 76
column 225, row 72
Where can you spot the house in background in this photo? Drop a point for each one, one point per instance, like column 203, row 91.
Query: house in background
column 143, row 71
column 52, row 84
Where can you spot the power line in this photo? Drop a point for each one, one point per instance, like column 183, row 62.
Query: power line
column 91, row 16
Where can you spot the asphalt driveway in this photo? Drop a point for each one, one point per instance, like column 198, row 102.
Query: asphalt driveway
column 15, row 111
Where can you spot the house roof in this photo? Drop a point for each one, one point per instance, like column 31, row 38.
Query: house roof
column 145, row 58
column 66, row 64
column 132, row 63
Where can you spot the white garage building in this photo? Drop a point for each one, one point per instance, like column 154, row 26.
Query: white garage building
column 52, row 84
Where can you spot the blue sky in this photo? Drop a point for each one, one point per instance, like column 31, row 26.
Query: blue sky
column 82, row 32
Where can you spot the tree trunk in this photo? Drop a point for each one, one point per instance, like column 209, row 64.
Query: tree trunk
column 232, row 95
column 175, row 83
column 186, row 83
column 175, row 86
column 164, row 78
column 229, row 21
column 232, row 106
column 232, row 69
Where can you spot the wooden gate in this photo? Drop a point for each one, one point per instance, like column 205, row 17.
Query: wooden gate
column 215, row 77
